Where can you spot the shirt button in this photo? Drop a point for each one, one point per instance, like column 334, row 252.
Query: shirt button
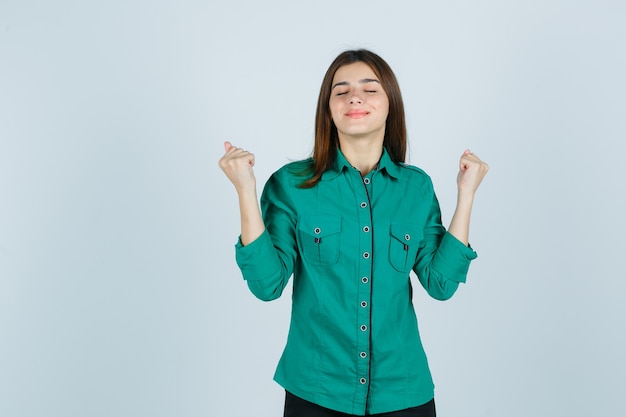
column 363, row 327
column 363, row 354
column 407, row 237
column 366, row 229
column 364, row 280
column 366, row 255
column 363, row 204
column 363, row 381
column 363, row 304
column 366, row 180
column 317, row 230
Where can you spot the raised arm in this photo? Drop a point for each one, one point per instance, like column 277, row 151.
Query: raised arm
column 471, row 172
column 237, row 164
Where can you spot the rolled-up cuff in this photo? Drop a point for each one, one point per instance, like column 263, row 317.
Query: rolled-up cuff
column 453, row 258
column 257, row 260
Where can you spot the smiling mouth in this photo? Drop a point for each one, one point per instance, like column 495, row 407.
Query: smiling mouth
column 357, row 114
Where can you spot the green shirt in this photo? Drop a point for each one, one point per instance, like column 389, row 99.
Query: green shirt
column 350, row 243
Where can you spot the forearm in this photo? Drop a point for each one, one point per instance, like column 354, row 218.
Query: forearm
column 471, row 173
column 237, row 164
column 459, row 226
column 252, row 225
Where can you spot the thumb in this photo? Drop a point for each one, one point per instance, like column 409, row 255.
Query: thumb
column 227, row 146
column 462, row 163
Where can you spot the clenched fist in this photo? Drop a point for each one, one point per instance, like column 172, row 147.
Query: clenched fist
column 471, row 172
column 237, row 164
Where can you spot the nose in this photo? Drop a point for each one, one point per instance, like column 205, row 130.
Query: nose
column 355, row 99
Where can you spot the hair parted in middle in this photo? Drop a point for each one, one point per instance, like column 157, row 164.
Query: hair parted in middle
column 326, row 137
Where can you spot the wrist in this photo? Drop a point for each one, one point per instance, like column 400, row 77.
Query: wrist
column 465, row 197
column 246, row 190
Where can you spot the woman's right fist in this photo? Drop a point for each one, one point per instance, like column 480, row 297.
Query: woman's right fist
column 237, row 164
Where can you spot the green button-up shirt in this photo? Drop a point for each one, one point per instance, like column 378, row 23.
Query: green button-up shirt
column 350, row 243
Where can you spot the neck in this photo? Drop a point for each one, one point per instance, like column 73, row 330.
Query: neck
column 362, row 154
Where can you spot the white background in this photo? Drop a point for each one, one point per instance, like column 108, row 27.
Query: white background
column 119, row 294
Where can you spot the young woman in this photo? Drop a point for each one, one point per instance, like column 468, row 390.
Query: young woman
column 350, row 224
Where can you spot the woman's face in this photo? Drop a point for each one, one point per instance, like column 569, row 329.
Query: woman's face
column 358, row 104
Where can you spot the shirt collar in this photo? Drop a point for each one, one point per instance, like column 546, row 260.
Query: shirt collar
column 342, row 163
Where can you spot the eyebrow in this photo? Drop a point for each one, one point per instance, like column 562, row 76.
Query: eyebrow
column 363, row 81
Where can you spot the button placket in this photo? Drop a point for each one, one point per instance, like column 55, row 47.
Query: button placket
column 366, row 244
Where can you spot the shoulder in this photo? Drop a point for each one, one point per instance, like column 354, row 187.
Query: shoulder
column 293, row 173
column 414, row 180
column 413, row 173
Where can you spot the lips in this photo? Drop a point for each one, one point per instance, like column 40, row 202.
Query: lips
column 357, row 114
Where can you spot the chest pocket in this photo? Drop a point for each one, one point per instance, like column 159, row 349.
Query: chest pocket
column 318, row 238
column 403, row 245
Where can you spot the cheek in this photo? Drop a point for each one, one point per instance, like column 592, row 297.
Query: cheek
column 335, row 109
column 385, row 108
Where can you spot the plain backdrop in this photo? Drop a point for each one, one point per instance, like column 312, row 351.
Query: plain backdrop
column 119, row 293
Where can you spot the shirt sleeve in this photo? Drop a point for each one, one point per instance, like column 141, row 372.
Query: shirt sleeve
column 268, row 262
column 442, row 261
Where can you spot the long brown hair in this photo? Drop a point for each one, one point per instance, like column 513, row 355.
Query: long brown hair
column 326, row 138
